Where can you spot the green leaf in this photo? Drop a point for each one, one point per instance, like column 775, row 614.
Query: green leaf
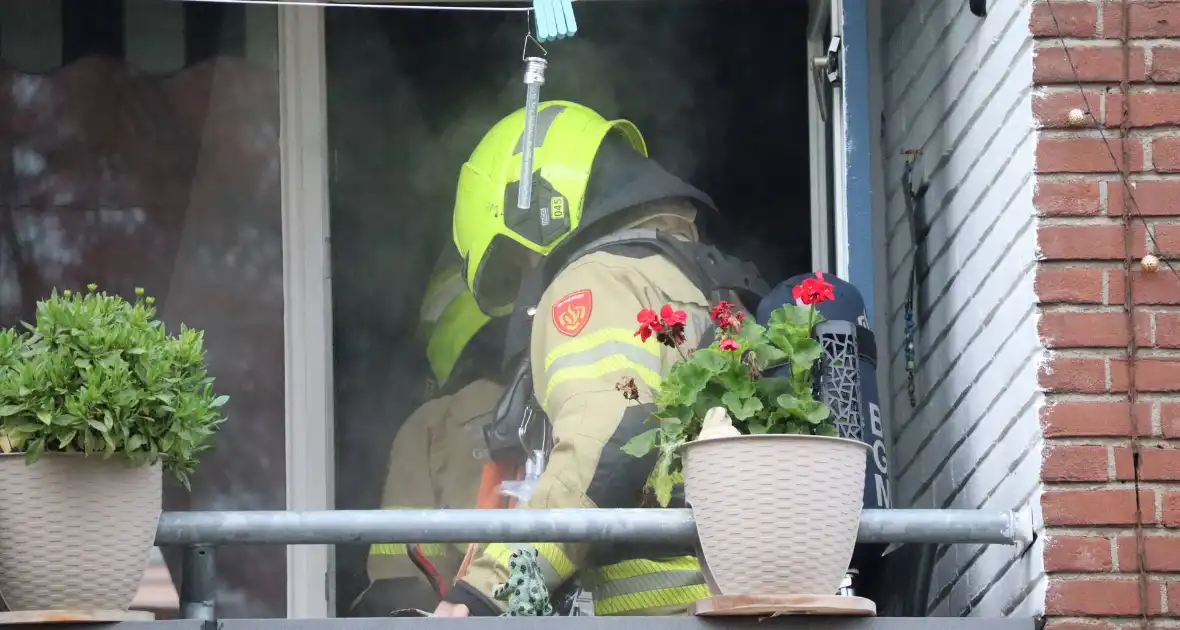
column 805, row 352
column 790, row 315
column 219, row 401
column 814, row 411
column 641, row 444
column 34, row 450
column 662, row 479
column 45, row 417
column 741, row 408
column 757, row 428
column 711, row 360
column 10, row 410
column 738, row 381
column 753, row 333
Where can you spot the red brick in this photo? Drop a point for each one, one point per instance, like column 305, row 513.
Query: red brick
column 1051, row 110
column 1161, row 552
column 1095, row 507
column 1078, row 554
column 1147, row 109
column 1075, row 462
column 1093, row 63
column 1152, row 374
column 1096, row 419
column 1147, row 19
column 1158, row 287
column 1167, row 241
column 1167, row 330
column 1076, row 374
column 1124, row 461
column 1170, row 420
column 1172, row 596
column 1097, row 596
column 1086, row 155
column 1085, row 242
column 1165, row 154
column 1067, row 199
column 1159, row 463
column 1057, row 623
column 1171, row 509
column 1073, row 19
column 1142, row 328
column 1152, row 197
column 1165, row 64
column 1071, row 285
column 1082, row 329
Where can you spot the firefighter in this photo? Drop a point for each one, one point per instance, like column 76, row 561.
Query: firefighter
column 609, row 232
column 435, row 460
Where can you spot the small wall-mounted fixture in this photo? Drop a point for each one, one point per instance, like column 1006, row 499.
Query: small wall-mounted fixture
column 978, row 7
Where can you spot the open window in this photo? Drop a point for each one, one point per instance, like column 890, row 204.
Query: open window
column 741, row 98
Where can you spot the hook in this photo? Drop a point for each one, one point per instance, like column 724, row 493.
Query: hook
column 528, row 36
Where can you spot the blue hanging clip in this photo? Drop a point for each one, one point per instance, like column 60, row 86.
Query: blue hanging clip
column 555, row 19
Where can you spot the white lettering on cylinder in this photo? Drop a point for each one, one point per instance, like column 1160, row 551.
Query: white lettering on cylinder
column 880, row 458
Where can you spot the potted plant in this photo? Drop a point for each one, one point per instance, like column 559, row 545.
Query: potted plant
column 775, row 494
column 95, row 399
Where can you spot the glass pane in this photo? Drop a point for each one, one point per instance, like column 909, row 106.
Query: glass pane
column 410, row 94
column 144, row 153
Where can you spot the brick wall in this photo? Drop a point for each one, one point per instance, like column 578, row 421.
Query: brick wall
column 1098, row 495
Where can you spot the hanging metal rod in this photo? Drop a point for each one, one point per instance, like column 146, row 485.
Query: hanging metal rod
column 568, row 525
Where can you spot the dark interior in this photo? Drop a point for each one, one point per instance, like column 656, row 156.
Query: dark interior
column 717, row 88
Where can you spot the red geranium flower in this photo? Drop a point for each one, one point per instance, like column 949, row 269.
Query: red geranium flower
column 729, row 343
column 668, row 326
column 670, row 316
column 648, row 322
column 813, row 290
column 724, row 317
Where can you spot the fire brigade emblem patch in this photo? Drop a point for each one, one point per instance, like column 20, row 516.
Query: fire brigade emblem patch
column 572, row 312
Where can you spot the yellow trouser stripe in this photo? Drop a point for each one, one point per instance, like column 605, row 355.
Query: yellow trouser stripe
column 598, row 337
column 662, row 598
column 600, row 368
column 430, row 550
column 635, row 568
column 556, row 566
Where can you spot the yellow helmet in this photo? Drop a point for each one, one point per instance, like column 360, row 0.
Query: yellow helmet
column 487, row 221
column 449, row 317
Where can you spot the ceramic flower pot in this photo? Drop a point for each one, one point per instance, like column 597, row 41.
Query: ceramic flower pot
column 76, row 532
column 776, row 514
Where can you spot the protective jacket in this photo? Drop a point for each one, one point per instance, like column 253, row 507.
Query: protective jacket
column 436, row 458
column 581, row 344
column 435, row 463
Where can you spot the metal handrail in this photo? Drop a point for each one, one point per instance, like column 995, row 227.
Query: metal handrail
column 200, row 532
column 565, row 525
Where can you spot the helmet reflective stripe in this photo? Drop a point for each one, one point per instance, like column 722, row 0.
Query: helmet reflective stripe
column 440, row 294
column 568, row 138
column 459, row 321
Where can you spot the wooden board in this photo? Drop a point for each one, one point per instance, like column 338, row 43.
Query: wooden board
column 775, row 605
column 73, row 616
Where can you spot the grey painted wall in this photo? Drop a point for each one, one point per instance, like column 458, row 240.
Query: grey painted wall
column 958, row 88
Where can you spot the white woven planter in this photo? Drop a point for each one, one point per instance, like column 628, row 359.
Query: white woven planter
column 776, row 514
column 75, row 532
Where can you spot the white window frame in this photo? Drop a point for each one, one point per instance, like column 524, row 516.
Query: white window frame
column 307, row 303
column 818, row 17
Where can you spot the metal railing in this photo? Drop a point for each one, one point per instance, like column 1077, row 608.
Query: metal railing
column 201, row 532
